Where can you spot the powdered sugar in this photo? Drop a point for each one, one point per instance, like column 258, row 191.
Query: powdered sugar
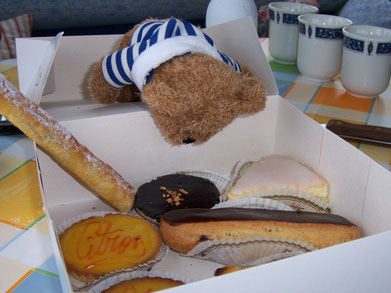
column 10, row 93
column 101, row 166
column 7, row 89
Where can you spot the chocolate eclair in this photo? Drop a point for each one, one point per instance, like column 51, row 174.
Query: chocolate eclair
column 173, row 192
column 183, row 230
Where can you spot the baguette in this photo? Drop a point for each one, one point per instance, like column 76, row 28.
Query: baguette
column 63, row 147
column 182, row 230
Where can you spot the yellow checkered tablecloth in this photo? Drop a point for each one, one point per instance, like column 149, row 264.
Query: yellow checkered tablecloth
column 26, row 259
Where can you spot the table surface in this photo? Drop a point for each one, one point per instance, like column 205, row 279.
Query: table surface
column 26, row 260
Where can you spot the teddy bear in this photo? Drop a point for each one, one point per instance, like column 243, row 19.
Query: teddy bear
column 192, row 89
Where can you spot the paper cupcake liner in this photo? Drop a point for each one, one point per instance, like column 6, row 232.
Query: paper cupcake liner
column 254, row 202
column 237, row 171
column 296, row 199
column 299, row 201
column 242, row 252
column 271, row 258
column 81, row 286
column 220, row 181
column 107, row 283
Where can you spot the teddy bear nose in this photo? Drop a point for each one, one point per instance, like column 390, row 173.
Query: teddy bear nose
column 188, row 140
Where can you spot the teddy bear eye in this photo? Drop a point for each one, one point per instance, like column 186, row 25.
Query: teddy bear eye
column 189, row 140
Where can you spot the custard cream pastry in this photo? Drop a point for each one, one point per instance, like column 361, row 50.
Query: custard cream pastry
column 143, row 285
column 228, row 269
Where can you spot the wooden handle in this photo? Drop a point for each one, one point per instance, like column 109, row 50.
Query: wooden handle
column 358, row 131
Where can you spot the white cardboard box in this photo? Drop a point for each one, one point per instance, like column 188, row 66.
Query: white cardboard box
column 126, row 137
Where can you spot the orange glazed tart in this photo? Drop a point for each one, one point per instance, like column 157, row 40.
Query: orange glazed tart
column 96, row 246
column 143, row 285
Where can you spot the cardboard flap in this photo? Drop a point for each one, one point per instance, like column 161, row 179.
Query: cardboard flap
column 119, row 140
column 342, row 165
column 78, row 54
column 356, row 266
column 376, row 214
column 302, row 139
column 35, row 58
column 239, row 40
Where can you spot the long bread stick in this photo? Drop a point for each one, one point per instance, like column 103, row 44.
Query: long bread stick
column 63, row 147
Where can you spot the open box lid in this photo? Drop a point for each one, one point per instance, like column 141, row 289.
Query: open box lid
column 35, row 64
column 359, row 186
column 70, row 100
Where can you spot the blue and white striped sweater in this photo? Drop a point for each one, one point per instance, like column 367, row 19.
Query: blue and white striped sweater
column 152, row 44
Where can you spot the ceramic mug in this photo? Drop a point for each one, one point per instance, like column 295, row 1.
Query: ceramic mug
column 366, row 60
column 284, row 29
column 319, row 50
column 221, row 11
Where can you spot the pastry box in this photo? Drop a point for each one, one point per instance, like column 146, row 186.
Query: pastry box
column 125, row 137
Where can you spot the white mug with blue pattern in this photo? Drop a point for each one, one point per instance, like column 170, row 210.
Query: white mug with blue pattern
column 319, row 52
column 284, row 29
column 366, row 60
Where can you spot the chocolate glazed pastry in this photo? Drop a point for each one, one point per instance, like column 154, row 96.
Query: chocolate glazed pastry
column 183, row 230
column 172, row 192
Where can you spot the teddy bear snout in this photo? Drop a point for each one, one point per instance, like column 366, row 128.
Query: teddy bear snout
column 188, row 140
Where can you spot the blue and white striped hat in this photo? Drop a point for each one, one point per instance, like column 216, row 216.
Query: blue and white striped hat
column 152, row 44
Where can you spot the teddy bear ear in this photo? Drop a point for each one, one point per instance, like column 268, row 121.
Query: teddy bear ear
column 98, row 87
column 253, row 97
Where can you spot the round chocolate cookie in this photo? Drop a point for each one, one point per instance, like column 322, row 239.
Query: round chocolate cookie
column 175, row 191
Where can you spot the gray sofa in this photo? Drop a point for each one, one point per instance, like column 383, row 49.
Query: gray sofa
column 113, row 16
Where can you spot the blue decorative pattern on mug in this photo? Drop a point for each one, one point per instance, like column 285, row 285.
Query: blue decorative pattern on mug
column 309, row 31
column 290, row 18
column 383, row 48
column 353, row 44
column 278, row 17
column 328, row 33
column 271, row 14
column 302, row 28
column 370, row 48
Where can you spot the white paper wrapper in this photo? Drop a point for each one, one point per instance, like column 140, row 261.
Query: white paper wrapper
column 296, row 199
column 254, row 202
column 107, row 283
column 249, row 251
column 299, row 201
column 81, row 286
column 272, row 258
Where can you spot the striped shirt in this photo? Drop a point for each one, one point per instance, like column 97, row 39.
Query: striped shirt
column 152, row 44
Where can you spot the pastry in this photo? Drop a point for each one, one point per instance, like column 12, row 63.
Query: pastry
column 56, row 141
column 96, row 246
column 280, row 174
column 143, row 285
column 182, row 230
column 228, row 269
column 175, row 191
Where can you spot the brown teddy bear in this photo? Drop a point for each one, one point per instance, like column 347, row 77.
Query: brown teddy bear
column 193, row 90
